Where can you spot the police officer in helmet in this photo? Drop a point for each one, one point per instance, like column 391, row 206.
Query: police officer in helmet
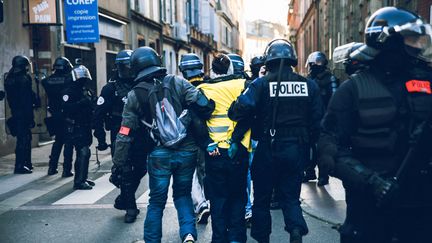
column 373, row 121
column 255, row 66
column 108, row 116
column 21, row 100
column 191, row 68
column 77, row 111
column 147, row 67
column 54, row 86
column 288, row 108
column 238, row 65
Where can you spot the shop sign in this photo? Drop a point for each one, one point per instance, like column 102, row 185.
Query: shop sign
column 82, row 21
column 42, row 12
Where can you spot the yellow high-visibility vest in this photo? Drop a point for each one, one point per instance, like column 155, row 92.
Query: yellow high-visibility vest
column 220, row 126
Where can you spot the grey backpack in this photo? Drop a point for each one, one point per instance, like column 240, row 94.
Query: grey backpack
column 169, row 119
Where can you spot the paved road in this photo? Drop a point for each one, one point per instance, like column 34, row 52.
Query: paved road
column 40, row 208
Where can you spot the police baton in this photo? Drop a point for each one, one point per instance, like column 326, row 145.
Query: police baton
column 419, row 138
column 97, row 156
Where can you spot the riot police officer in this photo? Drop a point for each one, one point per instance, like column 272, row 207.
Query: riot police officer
column 108, row 115
column 374, row 120
column 191, row 68
column 77, row 110
column 238, row 65
column 255, row 66
column 21, row 100
column 327, row 82
column 54, row 86
column 288, row 108
column 163, row 162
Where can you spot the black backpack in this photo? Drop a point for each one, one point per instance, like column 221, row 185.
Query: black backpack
column 169, row 119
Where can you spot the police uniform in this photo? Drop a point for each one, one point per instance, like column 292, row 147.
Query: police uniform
column 282, row 150
column 21, row 99
column 108, row 115
column 373, row 119
column 77, row 109
column 191, row 68
column 54, row 85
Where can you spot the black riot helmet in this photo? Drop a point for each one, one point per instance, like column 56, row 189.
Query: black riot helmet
column 279, row 49
column 80, row 74
column 255, row 65
column 352, row 63
column 62, row 64
column 191, row 66
column 145, row 61
column 392, row 29
column 21, row 63
column 316, row 63
column 122, row 63
column 238, row 63
column 316, row 58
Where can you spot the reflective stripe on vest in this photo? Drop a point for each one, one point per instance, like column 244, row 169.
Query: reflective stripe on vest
column 220, row 126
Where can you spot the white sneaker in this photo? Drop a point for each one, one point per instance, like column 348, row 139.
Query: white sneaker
column 203, row 215
column 189, row 239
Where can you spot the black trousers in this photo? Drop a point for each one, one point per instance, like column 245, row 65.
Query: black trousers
column 365, row 222
column 225, row 185
column 23, row 147
column 138, row 163
column 277, row 167
column 59, row 143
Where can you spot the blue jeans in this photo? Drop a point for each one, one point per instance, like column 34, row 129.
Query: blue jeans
column 162, row 164
column 249, row 178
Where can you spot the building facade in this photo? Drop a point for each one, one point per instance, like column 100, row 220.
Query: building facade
column 258, row 34
column 171, row 27
column 322, row 25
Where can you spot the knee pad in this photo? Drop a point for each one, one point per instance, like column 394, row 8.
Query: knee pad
column 84, row 152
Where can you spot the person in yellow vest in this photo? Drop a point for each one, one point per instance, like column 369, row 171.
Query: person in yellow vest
column 227, row 159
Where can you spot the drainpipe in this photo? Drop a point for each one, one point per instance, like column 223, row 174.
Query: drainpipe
column 318, row 23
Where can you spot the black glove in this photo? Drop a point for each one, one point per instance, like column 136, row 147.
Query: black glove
column 116, row 176
column 383, row 189
column 102, row 145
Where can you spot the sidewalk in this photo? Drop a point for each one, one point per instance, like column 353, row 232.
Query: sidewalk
column 325, row 203
column 40, row 158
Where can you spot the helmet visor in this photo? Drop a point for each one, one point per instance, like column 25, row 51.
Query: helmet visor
column 80, row 72
column 417, row 38
column 124, row 71
column 418, row 42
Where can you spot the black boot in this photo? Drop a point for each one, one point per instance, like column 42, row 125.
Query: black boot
column 81, row 169
column 322, row 181
column 52, row 171
column 119, row 203
column 295, row 236
column 82, row 186
column 131, row 215
column 22, row 170
column 67, row 160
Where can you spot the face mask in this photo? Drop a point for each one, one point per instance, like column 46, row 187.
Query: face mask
column 314, row 70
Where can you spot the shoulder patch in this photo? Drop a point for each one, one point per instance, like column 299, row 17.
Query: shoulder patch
column 100, row 100
column 418, row 86
column 65, row 98
column 124, row 130
column 289, row 89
